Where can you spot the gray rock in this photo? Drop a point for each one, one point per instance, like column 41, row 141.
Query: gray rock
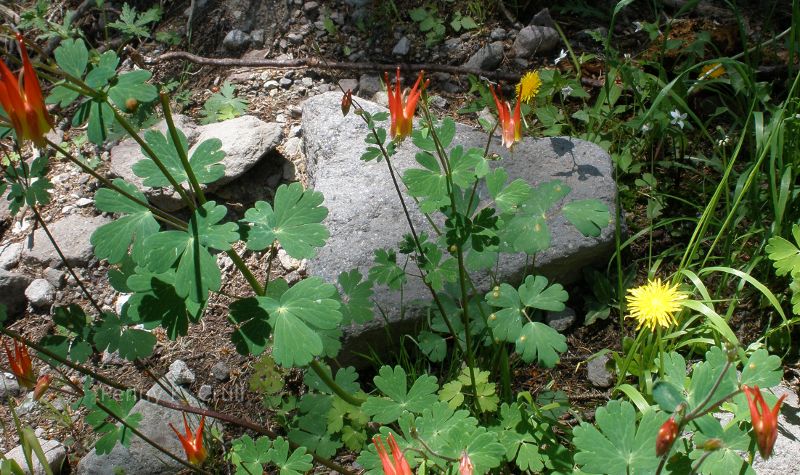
column 347, row 84
column 311, row 9
column 5, row 213
column 288, row 262
column 364, row 213
column 72, row 234
column 236, row 40
column 488, row 58
column 205, row 393
column 9, row 387
column 787, row 445
column 10, row 253
column 402, row 47
column 40, row 293
column 293, row 147
column 179, row 373
column 242, row 150
column 54, row 453
column 285, row 83
column 369, row 85
column 543, row 18
column 141, row 458
column 598, row 373
column 220, row 372
column 294, row 38
column 561, row 321
column 127, row 153
column 12, row 291
column 498, row 34
column 533, row 40
column 257, row 37
column 56, row 277
column 83, row 202
column 271, row 84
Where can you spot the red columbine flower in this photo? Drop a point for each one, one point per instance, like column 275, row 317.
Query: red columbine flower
column 765, row 421
column 21, row 98
column 397, row 467
column 666, row 436
column 192, row 443
column 403, row 114
column 20, row 363
column 511, row 125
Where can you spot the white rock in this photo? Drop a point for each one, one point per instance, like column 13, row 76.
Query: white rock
column 54, row 453
column 84, row 202
column 288, row 262
column 179, row 373
column 40, row 293
column 10, row 254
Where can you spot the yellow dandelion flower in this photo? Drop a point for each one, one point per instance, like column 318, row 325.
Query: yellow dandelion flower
column 712, row 71
column 654, row 304
column 529, row 86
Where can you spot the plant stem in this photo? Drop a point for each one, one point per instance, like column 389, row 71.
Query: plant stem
column 201, row 197
column 333, row 385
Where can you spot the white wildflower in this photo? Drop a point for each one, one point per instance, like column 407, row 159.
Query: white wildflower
column 566, row 90
column 561, row 56
column 638, row 26
column 677, row 118
column 646, row 128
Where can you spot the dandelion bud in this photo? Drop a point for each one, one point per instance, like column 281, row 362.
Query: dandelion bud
column 347, row 101
column 666, row 436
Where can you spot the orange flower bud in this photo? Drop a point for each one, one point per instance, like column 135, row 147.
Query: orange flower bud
column 765, row 420
column 42, row 386
column 398, row 466
column 21, row 98
column 402, row 114
column 347, row 101
column 20, row 364
column 131, row 104
column 192, row 443
column 465, row 466
column 666, row 436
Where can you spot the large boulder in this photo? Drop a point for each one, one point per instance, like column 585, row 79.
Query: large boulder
column 365, row 214
column 245, row 140
column 12, row 291
column 54, row 453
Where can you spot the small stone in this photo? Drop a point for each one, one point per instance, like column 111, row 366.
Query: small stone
column 292, row 277
column 271, row 84
column 293, row 147
column 295, row 130
column 307, row 81
column 487, row 58
column 236, row 40
column 56, row 277
column 402, row 47
column 561, row 321
column 40, row 293
column 285, row 83
column 311, row 9
column 257, row 36
column 83, row 202
column 288, row 262
column 369, row 85
column 121, row 300
column 438, row 101
column 348, row 84
column 54, row 454
column 9, row 387
column 10, row 254
column 280, row 118
column 112, row 359
column 220, row 372
column 205, row 393
column 543, row 18
column 598, row 373
column 452, row 44
column 533, row 40
column 295, row 112
column 498, row 34
column 294, row 38
column 179, row 373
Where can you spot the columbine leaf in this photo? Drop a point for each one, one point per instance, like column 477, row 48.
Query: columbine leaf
column 392, row 383
column 132, row 85
column 154, row 301
column 298, row 317
column 542, row 342
column 111, row 241
column 535, row 293
column 784, row 254
column 252, row 331
column 386, row 271
column 356, row 304
column 726, row 459
column 427, row 183
column 508, row 198
column 667, row 395
column 617, row 445
column 164, row 148
column 249, row 456
column 762, row 369
column 72, row 56
column 296, row 463
column 589, row 216
column 433, row 345
column 295, row 222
